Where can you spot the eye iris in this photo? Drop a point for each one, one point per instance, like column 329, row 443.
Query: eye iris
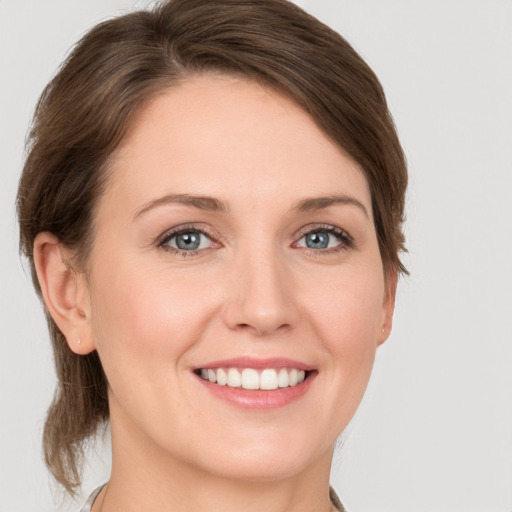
column 188, row 241
column 317, row 240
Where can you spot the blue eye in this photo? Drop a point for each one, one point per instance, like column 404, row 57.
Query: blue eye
column 189, row 240
column 325, row 238
column 317, row 240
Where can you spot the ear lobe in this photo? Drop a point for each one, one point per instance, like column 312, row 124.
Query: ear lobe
column 64, row 292
column 388, row 306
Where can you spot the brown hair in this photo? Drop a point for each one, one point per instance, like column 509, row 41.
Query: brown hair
column 85, row 111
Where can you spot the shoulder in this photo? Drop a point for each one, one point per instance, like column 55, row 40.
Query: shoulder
column 86, row 507
column 336, row 501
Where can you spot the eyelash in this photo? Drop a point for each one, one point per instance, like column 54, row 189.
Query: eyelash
column 346, row 241
column 168, row 236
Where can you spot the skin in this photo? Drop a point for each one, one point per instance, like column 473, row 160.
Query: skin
column 255, row 289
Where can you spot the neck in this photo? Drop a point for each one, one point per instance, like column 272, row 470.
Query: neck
column 144, row 479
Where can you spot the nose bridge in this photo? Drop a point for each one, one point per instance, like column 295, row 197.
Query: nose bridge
column 260, row 298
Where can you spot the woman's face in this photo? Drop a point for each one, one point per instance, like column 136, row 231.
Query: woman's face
column 234, row 242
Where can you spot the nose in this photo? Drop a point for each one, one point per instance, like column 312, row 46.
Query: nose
column 260, row 297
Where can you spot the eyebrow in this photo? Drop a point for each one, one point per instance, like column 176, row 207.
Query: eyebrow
column 216, row 205
column 201, row 202
column 319, row 203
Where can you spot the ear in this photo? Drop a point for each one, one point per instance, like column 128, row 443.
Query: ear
column 65, row 292
column 388, row 306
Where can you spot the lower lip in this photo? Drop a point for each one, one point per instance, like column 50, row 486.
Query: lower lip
column 259, row 399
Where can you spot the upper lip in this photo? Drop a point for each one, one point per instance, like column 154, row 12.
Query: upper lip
column 256, row 363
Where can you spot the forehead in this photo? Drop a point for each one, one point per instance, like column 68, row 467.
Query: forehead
column 230, row 138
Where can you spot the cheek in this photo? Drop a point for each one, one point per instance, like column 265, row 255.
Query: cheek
column 143, row 321
column 349, row 310
column 347, row 318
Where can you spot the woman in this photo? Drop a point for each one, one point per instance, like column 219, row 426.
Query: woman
column 211, row 206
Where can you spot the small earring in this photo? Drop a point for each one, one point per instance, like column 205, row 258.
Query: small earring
column 78, row 341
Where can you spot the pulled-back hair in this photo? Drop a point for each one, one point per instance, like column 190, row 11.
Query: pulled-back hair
column 86, row 109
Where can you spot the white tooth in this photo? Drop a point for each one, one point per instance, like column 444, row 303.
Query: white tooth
column 211, row 376
column 294, row 377
column 204, row 374
column 268, row 379
column 302, row 376
column 250, row 379
column 234, row 378
column 283, row 378
column 222, row 377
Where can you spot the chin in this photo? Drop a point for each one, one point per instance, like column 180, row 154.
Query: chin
column 264, row 458
column 261, row 467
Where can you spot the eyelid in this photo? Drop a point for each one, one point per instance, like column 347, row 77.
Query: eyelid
column 323, row 227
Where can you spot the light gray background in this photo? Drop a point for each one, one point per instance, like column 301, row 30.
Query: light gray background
column 434, row 432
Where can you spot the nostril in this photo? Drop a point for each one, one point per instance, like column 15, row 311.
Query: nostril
column 262, row 328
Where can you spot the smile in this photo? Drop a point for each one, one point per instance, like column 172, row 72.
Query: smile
column 253, row 379
column 256, row 384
